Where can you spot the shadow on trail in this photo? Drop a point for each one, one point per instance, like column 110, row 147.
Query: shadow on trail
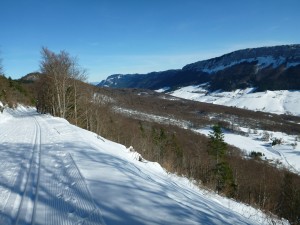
column 114, row 190
column 129, row 195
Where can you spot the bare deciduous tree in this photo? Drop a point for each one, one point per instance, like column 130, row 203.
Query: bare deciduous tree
column 64, row 76
column 78, row 75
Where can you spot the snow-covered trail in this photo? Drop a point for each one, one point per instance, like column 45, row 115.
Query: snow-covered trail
column 55, row 173
column 19, row 170
column 41, row 184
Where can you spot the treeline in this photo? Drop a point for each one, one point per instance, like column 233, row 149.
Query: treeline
column 13, row 92
column 62, row 92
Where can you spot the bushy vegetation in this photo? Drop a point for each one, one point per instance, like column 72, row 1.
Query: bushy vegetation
column 276, row 141
column 256, row 155
column 13, row 92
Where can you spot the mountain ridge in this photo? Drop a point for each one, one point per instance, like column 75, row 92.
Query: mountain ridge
column 267, row 68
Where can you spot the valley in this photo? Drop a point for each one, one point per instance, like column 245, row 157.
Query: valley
column 164, row 132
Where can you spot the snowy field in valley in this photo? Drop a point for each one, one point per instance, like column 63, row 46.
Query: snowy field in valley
column 286, row 154
column 279, row 102
column 55, row 173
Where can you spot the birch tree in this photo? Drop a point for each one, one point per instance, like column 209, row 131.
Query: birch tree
column 64, row 76
column 78, row 75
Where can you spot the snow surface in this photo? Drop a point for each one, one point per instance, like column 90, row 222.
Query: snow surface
column 55, row 173
column 164, row 89
column 278, row 102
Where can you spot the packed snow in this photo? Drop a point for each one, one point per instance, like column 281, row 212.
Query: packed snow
column 55, row 173
column 278, row 102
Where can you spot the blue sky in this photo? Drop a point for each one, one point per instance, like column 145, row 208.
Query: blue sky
column 138, row 36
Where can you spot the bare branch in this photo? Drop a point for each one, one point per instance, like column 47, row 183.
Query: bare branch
column 64, row 76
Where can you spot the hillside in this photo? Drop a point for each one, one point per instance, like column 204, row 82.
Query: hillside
column 13, row 92
column 168, row 130
column 266, row 68
column 72, row 176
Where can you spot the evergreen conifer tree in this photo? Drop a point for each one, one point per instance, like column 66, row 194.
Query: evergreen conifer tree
column 222, row 170
column 217, row 145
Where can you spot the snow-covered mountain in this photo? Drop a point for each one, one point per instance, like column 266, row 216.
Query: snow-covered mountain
column 266, row 68
column 278, row 102
column 288, row 55
column 55, row 173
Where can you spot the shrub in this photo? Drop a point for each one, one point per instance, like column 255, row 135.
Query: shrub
column 256, row 155
column 277, row 141
column 265, row 136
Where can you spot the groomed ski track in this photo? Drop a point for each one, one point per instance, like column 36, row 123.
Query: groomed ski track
column 41, row 175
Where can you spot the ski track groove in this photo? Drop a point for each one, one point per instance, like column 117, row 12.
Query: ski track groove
column 44, row 185
column 71, row 201
column 27, row 209
column 15, row 171
column 5, row 194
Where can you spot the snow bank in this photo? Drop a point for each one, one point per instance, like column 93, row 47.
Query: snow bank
column 4, row 113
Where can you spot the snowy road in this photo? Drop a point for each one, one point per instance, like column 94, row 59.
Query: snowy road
column 55, row 173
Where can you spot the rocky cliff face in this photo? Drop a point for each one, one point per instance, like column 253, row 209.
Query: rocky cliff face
column 272, row 68
column 262, row 57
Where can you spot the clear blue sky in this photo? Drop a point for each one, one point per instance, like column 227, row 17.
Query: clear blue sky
column 138, row 36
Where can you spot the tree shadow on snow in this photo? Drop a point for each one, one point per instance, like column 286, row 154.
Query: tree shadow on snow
column 114, row 191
